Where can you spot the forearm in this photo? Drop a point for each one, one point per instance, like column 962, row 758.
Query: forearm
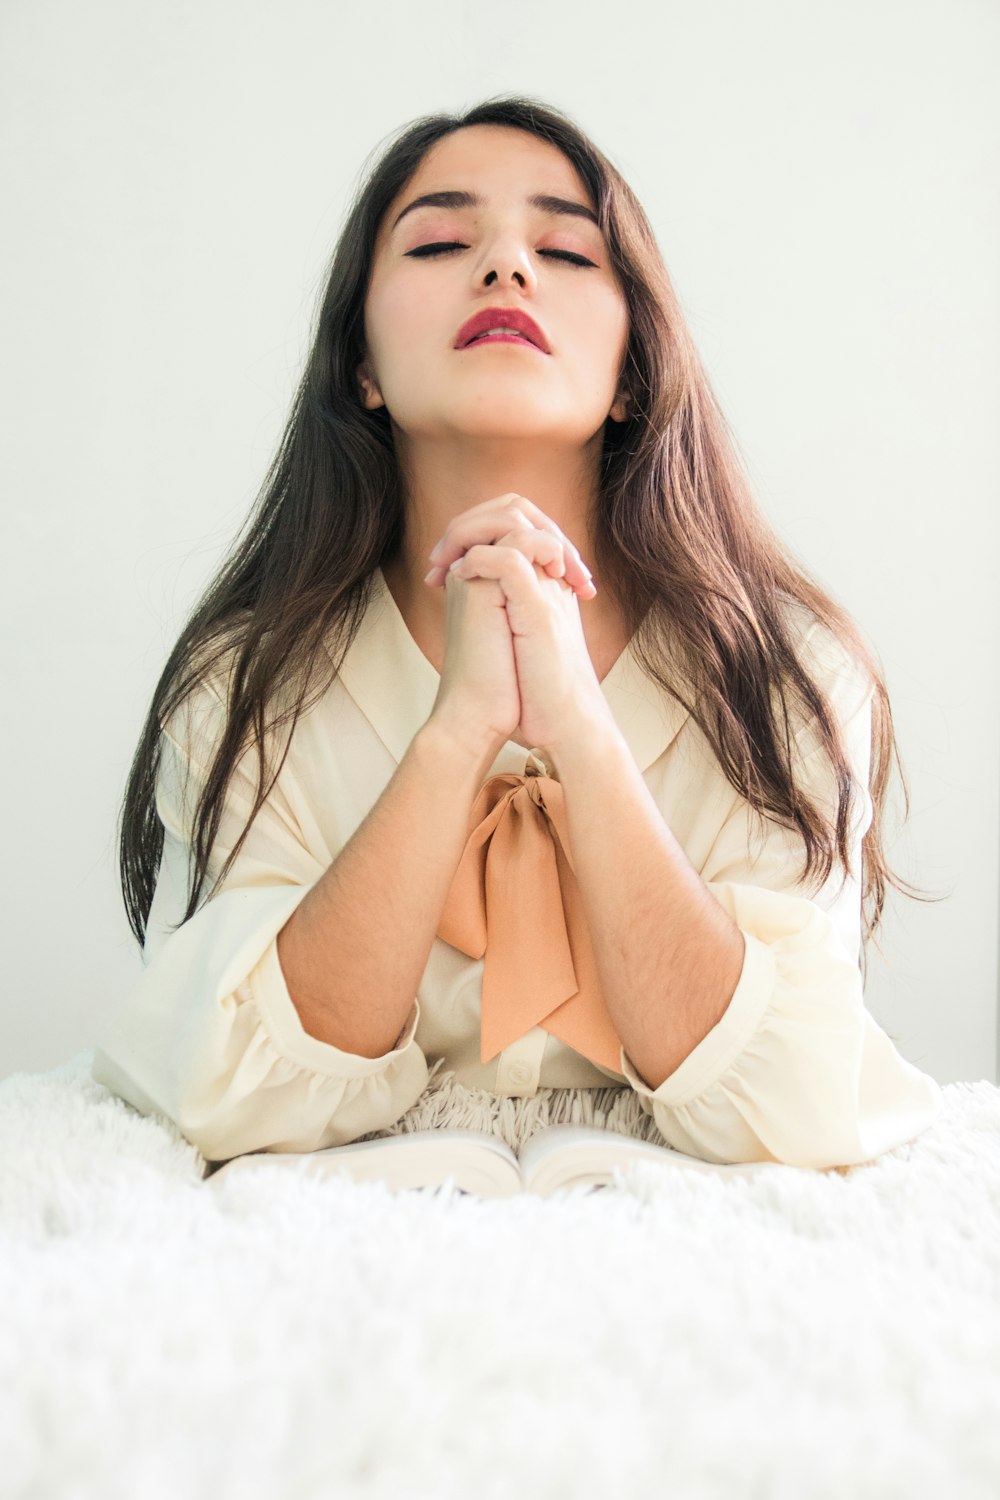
column 668, row 956
column 354, row 950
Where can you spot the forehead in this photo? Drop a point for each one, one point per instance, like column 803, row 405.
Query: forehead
column 500, row 164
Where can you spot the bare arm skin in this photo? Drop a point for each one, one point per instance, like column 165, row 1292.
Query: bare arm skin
column 354, row 950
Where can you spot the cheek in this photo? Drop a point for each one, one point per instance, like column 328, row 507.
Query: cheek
column 597, row 353
column 596, row 329
column 396, row 319
column 613, row 317
column 411, row 301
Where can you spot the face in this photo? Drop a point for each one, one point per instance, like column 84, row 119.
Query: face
column 505, row 253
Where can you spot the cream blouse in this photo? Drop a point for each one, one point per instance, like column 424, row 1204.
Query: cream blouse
column 796, row 1071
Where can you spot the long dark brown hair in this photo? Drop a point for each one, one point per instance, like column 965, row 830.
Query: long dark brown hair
column 699, row 575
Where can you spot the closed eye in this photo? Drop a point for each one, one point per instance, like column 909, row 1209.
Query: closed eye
column 422, row 251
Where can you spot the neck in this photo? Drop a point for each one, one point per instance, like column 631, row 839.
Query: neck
column 443, row 478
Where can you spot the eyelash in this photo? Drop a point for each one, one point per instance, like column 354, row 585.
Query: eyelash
column 423, row 251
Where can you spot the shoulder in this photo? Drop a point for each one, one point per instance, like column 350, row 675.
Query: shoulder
column 213, row 674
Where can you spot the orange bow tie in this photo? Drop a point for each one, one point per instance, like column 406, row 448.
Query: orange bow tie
column 516, row 879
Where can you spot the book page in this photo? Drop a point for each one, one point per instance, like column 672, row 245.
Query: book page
column 478, row 1162
column 571, row 1155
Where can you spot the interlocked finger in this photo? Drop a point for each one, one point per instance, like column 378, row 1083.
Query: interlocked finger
column 502, row 520
column 539, row 547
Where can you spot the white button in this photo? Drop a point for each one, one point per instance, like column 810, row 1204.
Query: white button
column 519, row 1073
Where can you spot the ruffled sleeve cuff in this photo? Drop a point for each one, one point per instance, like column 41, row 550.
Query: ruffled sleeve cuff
column 269, row 992
column 797, row 1070
column 717, row 1051
column 212, row 1039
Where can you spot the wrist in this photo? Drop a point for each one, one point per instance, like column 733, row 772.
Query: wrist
column 590, row 739
column 459, row 744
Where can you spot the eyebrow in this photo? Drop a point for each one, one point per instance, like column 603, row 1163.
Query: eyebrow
column 460, row 199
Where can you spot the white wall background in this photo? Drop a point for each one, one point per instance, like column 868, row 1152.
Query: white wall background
column 822, row 181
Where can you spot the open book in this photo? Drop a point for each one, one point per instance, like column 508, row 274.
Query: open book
column 557, row 1156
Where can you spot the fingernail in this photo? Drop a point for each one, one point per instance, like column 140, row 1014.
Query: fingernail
column 438, row 550
column 432, row 574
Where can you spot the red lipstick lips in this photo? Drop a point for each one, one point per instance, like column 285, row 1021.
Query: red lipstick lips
column 501, row 317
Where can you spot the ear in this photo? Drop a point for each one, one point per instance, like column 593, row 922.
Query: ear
column 620, row 410
column 371, row 396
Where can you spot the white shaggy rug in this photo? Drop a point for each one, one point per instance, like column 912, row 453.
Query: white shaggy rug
column 794, row 1336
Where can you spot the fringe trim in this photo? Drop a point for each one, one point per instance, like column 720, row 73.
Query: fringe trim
column 448, row 1105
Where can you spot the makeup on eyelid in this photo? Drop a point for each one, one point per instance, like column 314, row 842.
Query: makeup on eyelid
column 433, row 249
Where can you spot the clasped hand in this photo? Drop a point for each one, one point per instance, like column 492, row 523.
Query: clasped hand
column 513, row 541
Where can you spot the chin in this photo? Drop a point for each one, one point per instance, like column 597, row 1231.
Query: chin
column 517, row 417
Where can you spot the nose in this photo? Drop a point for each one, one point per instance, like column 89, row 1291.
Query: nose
column 507, row 264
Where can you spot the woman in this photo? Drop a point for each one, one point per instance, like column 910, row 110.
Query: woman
column 612, row 717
